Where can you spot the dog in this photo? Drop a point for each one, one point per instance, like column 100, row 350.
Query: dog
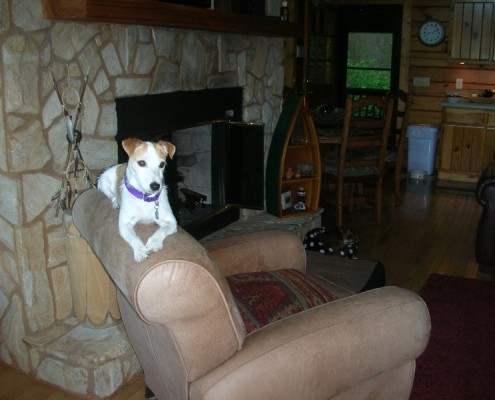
column 137, row 188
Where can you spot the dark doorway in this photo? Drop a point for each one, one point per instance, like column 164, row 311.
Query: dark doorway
column 368, row 41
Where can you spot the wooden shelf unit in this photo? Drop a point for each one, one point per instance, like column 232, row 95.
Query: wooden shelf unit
column 294, row 142
column 156, row 13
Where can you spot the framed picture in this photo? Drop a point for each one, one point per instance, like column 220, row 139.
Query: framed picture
column 286, row 199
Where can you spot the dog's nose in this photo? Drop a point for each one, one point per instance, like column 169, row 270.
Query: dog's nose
column 154, row 186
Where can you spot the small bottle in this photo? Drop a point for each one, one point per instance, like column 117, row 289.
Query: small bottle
column 301, row 199
column 284, row 11
column 289, row 173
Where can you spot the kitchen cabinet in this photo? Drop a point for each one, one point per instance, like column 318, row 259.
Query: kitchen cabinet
column 294, row 145
column 467, row 141
column 472, row 31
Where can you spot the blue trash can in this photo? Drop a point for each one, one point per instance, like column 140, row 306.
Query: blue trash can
column 421, row 148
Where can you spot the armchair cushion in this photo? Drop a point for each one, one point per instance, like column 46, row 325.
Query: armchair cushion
column 265, row 297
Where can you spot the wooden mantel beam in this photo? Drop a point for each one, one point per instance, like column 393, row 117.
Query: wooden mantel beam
column 156, row 13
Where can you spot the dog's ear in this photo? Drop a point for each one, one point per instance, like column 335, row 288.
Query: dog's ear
column 167, row 147
column 130, row 145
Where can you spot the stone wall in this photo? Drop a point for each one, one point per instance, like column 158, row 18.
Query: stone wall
column 121, row 60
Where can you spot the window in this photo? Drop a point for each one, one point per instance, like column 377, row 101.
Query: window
column 369, row 60
column 368, row 50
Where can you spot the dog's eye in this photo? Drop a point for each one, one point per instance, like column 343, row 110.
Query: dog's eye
column 142, row 163
column 162, row 164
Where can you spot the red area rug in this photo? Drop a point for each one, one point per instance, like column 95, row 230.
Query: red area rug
column 459, row 362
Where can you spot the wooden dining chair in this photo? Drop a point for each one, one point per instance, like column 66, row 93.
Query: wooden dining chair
column 394, row 157
column 361, row 153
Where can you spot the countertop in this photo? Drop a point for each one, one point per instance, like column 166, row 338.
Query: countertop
column 488, row 105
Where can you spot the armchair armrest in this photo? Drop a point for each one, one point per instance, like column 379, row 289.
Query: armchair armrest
column 485, row 194
column 330, row 348
column 486, row 183
column 172, row 287
column 258, row 251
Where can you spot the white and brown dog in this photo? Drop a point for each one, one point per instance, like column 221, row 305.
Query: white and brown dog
column 138, row 188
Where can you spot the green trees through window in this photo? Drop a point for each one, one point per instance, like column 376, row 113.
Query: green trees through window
column 369, row 60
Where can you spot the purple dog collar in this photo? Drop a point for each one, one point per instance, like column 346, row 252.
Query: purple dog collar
column 140, row 195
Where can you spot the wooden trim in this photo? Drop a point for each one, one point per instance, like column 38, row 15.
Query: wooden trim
column 155, row 13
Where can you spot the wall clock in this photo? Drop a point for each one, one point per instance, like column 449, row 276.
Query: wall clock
column 431, row 32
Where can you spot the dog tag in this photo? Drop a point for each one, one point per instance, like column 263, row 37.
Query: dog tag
column 157, row 215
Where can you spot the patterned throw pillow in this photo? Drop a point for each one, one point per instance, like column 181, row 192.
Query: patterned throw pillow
column 268, row 296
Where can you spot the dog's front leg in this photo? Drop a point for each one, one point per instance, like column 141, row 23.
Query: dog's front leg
column 126, row 230
column 166, row 227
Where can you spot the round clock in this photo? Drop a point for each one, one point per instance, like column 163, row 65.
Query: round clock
column 431, row 32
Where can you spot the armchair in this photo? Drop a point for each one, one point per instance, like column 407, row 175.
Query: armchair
column 485, row 235
column 187, row 332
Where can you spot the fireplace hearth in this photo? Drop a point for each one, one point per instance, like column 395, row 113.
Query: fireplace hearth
column 207, row 130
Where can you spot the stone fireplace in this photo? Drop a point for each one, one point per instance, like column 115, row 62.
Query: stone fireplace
column 39, row 333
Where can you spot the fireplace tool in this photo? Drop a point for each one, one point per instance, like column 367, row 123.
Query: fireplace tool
column 77, row 176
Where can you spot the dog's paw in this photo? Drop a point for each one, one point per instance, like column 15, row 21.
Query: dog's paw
column 115, row 202
column 140, row 254
column 154, row 244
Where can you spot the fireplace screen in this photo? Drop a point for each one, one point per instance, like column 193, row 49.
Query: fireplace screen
column 238, row 167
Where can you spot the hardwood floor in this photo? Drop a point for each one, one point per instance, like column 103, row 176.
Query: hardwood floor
column 431, row 230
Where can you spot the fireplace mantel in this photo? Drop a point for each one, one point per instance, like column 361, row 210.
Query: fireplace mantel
column 155, row 13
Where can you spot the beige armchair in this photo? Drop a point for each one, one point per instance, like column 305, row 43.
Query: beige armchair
column 187, row 332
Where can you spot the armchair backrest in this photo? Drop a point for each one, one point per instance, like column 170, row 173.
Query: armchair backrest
column 177, row 296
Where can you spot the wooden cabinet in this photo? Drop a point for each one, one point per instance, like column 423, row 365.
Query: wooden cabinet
column 294, row 143
column 467, row 143
column 472, row 31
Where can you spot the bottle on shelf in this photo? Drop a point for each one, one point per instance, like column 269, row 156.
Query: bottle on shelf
column 284, row 11
column 301, row 199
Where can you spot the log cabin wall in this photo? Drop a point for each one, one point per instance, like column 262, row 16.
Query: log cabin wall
column 418, row 60
column 434, row 63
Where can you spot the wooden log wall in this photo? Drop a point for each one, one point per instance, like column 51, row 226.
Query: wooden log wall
column 433, row 62
column 418, row 60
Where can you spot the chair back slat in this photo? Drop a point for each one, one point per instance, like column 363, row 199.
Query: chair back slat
column 362, row 149
column 397, row 138
column 366, row 133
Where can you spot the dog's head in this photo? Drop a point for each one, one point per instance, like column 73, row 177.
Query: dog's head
column 147, row 161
